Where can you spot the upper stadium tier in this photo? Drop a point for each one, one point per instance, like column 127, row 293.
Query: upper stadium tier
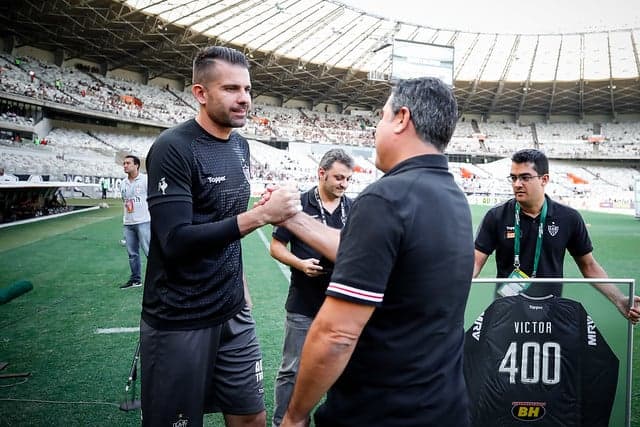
column 325, row 52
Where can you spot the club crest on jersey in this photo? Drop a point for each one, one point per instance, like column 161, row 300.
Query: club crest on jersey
column 528, row 411
column 553, row 229
column 162, row 185
column 246, row 171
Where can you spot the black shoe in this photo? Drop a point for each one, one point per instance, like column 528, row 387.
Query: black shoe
column 131, row 284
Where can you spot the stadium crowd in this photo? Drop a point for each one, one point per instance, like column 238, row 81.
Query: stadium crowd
column 97, row 152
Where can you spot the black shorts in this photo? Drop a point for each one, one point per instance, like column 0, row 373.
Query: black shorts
column 185, row 374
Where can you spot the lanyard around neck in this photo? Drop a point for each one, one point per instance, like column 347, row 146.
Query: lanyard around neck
column 343, row 213
column 516, row 243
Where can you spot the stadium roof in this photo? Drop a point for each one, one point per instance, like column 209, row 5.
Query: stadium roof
column 507, row 17
column 323, row 50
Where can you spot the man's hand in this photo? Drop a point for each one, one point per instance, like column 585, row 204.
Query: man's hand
column 280, row 204
column 311, row 267
column 286, row 422
column 632, row 314
column 266, row 195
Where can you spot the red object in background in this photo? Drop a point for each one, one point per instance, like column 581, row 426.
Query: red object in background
column 129, row 99
column 465, row 173
column 576, row 179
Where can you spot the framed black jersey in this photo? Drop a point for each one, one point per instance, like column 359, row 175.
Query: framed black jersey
column 538, row 362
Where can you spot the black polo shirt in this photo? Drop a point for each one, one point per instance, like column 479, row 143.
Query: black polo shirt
column 306, row 294
column 407, row 249
column 187, row 164
column 564, row 229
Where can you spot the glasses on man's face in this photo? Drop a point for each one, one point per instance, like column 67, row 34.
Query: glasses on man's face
column 524, row 178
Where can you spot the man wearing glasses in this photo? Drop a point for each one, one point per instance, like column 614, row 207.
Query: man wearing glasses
column 530, row 234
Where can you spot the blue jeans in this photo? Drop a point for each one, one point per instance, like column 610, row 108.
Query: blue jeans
column 295, row 331
column 137, row 236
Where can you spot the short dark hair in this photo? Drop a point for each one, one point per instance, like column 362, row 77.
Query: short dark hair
column 433, row 107
column 207, row 57
column 336, row 155
column 136, row 159
column 536, row 157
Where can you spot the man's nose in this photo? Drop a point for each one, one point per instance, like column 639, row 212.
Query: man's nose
column 244, row 98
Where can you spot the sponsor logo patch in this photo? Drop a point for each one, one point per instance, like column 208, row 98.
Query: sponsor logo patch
column 510, row 233
column 477, row 327
column 181, row 422
column 528, row 411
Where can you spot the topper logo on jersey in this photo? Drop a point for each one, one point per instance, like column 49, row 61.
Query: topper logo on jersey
column 528, row 411
column 216, row 179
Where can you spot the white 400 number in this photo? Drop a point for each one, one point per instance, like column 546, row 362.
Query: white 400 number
column 532, row 365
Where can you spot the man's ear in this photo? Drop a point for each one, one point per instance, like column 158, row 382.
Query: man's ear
column 401, row 120
column 545, row 179
column 198, row 92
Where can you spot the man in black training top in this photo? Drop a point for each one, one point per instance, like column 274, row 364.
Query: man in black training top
column 387, row 342
column 199, row 352
column 310, row 271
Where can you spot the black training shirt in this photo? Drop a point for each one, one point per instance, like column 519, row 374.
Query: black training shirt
column 198, row 184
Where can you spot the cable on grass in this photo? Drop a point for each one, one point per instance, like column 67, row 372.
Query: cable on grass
column 8, row 399
column 14, row 384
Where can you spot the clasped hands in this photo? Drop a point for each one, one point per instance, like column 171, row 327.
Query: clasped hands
column 279, row 203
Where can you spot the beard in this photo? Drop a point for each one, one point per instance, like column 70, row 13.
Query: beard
column 227, row 119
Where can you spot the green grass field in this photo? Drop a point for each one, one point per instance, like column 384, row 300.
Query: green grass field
column 76, row 264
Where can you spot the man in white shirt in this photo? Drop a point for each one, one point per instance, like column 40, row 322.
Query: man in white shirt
column 136, row 218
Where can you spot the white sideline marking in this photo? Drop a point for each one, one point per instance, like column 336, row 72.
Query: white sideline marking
column 42, row 218
column 117, row 330
column 283, row 268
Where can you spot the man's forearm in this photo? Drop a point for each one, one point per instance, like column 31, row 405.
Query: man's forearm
column 283, row 204
column 320, row 237
column 281, row 253
column 250, row 220
column 593, row 270
column 324, row 357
